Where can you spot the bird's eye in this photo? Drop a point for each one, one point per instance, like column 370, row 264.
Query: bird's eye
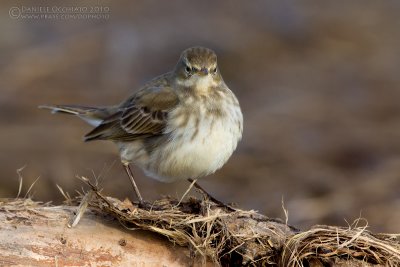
column 214, row 70
column 188, row 69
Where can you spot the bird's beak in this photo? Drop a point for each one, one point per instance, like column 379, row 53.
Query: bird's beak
column 204, row 71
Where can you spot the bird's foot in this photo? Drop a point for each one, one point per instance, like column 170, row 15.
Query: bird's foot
column 210, row 197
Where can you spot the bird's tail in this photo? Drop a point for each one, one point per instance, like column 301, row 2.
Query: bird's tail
column 92, row 115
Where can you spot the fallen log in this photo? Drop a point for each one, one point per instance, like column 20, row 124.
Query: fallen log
column 168, row 233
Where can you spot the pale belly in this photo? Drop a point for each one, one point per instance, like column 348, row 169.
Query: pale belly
column 195, row 154
column 198, row 149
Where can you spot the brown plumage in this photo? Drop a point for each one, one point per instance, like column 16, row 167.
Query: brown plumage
column 182, row 124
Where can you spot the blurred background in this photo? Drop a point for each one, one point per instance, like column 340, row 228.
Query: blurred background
column 318, row 82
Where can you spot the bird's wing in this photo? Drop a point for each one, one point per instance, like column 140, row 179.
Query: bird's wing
column 143, row 115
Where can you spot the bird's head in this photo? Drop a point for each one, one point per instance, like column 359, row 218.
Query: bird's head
column 197, row 68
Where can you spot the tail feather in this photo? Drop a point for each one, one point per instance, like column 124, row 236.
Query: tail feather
column 69, row 109
column 92, row 115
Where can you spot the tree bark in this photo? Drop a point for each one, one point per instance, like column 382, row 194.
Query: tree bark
column 36, row 235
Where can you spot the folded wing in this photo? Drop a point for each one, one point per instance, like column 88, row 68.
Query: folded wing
column 143, row 115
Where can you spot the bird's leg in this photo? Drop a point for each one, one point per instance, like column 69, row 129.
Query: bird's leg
column 213, row 199
column 130, row 175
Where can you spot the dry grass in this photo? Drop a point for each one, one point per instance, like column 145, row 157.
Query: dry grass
column 239, row 237
column 248, row 238
column 327, row 243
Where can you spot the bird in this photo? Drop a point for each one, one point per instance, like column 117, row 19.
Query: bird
column 184, row 124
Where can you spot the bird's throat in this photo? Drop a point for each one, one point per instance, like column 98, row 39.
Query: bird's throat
column 203, row 84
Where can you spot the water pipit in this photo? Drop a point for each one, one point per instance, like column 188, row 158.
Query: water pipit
column 184, row 124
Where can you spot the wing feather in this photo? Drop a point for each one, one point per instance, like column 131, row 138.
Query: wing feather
column 144, row 115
